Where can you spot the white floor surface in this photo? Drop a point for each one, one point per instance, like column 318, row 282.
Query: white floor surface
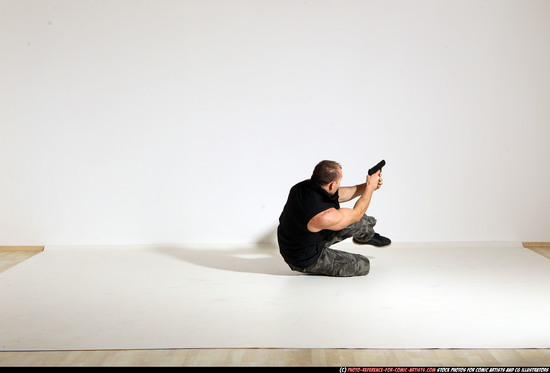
column 446, row 295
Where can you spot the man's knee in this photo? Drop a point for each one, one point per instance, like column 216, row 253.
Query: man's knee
column 362, row 266
column 368, row 220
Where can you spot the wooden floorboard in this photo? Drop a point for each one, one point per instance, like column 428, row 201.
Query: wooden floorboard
column 283, row 357
column 21, row 248
column 269, row 357
column 541, row 248
column 10, row 259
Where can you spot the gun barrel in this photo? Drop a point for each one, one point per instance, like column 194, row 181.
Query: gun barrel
column 378, row 167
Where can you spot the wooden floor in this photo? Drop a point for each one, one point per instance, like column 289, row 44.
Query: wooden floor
column 281, row 357
column 273, row 357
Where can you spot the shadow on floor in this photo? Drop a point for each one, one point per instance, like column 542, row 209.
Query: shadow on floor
column 261, row 258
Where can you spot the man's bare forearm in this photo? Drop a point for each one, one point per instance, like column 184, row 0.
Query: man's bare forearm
column 373, row 183
column 360, row 190
column 349, row 193
column 362, row 203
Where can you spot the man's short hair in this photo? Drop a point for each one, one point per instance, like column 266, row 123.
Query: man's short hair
column 326, row 172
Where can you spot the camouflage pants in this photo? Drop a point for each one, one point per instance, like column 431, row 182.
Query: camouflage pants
column 340, row 263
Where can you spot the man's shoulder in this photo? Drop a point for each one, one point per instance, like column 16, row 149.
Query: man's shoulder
column 303, row 184
column 302, row 187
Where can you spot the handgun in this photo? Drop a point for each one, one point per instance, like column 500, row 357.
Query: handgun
column 378, row 167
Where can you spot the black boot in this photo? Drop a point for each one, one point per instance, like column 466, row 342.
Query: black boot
column 377, row 240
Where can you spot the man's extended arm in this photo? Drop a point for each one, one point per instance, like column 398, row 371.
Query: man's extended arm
column 338, row 219
column 346, row 194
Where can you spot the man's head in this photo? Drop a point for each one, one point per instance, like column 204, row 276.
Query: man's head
column 328, row 174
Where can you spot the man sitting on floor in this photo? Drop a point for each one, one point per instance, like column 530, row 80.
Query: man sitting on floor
column 312, row 221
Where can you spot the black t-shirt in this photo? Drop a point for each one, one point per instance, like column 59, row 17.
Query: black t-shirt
column 297, row 244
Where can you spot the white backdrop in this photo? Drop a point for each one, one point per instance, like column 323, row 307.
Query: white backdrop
column 128, row 121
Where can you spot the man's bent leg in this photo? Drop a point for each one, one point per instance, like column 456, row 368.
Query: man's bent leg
column 339, row 264
column 362, row 230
